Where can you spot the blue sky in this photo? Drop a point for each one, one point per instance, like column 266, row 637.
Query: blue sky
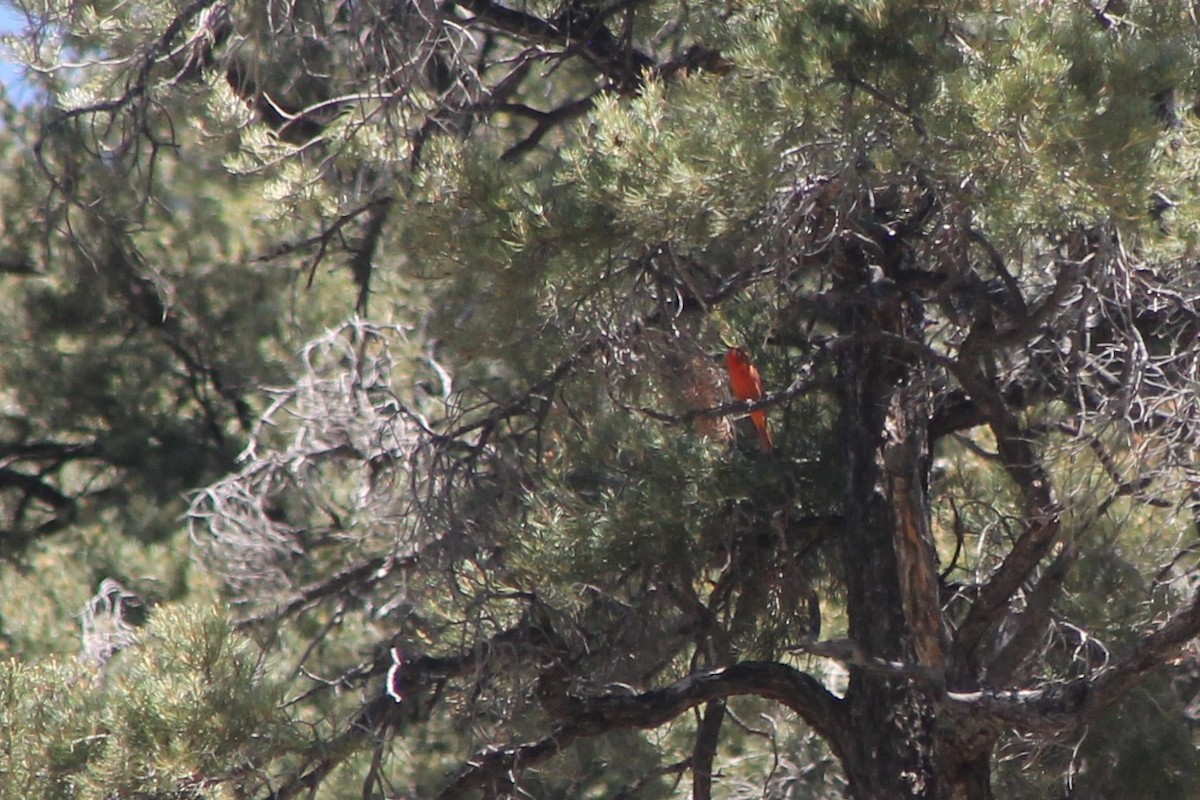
column 11, row 74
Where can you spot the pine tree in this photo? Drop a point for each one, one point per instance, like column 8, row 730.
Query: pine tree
column 510, row 501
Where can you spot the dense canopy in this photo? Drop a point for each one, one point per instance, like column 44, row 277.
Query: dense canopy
column 365, row 428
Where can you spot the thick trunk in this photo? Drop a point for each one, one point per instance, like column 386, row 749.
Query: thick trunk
column 890, row 564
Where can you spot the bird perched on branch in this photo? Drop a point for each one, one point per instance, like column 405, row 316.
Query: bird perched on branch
column 746, row 384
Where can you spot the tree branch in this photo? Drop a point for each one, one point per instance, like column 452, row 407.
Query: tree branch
column 542, row 389
column 592, row 716
column 359, row 576
column 850, row 653
column 1042, row 516
column 322, row 239
column 1030, row 625
column 740, row 407
column 708, row 735
column 589, row 37
column 1065, row 706
column 546, row 122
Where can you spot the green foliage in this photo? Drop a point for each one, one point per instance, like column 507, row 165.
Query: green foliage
column 1141, row 747
column 1157, row 754
column 39, row 615
column 190, row 706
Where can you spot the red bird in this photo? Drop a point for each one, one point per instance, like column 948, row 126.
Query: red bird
column 747, row 385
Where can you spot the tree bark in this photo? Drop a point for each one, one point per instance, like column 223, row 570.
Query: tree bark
column 889, row 560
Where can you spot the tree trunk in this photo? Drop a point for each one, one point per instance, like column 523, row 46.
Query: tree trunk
column 889, row 560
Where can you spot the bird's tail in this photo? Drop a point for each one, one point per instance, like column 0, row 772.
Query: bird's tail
column 759, row 418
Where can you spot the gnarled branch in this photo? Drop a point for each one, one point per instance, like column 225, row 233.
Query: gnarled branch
column 598, row 714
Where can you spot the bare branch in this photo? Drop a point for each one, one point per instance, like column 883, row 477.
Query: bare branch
column 1151, row 653
column 546, row 122
column 586, row 36
column 592, row 716
column 850, row 653
column 1030, row 625
column 1042, row 514
column 322, row 239
column 1064, row 706
column 739, row 408
column 359, row 576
